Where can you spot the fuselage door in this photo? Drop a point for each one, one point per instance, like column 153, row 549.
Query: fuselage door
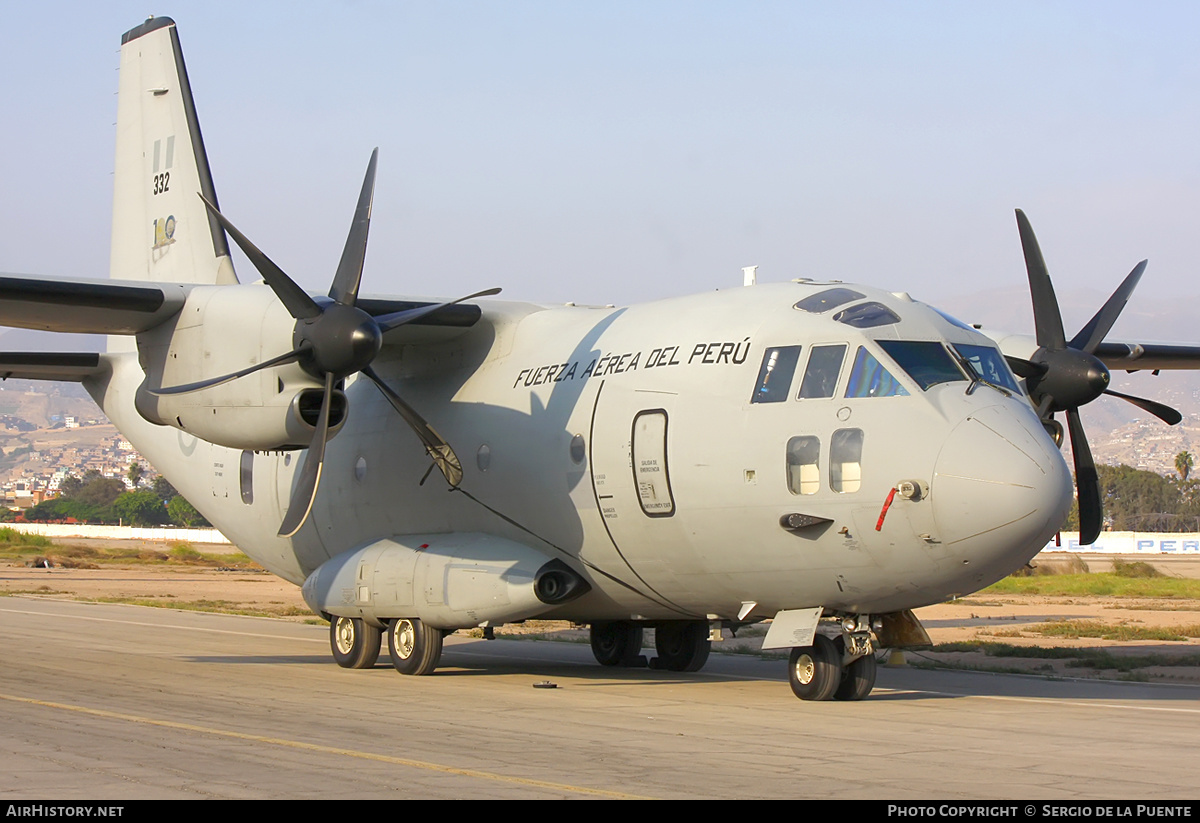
column 650, row 470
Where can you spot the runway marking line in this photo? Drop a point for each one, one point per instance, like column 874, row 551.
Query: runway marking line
column 314, row 747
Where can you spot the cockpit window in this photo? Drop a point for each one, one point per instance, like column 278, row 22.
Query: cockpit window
column 869, row 378
column 989, row 365
column 867, row 315
column 821, row 374
column 775, row 374
column 823, row 301
column 927, row 363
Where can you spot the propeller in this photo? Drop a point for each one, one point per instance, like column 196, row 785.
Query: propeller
column 333, row 340
column 1064, row 375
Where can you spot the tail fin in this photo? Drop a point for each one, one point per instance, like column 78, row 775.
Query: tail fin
column 161, row 230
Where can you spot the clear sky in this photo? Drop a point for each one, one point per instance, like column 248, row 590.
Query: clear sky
column 614, row 152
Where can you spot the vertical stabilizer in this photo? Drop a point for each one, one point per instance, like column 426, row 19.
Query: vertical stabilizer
column 161, row 229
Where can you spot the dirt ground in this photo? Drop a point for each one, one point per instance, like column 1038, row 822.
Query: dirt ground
column 990, row 618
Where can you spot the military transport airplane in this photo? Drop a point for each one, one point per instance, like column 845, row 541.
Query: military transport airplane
column 824, row 455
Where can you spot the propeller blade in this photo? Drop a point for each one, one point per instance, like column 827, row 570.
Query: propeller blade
column 349, row 271
column 1047, row 319
column 294, row 298
column 310, row 475
column 1087, row 482
column 1164, row 413
column 1093, row 334
column 438, row 449
column 290, row 357
column 387, row 322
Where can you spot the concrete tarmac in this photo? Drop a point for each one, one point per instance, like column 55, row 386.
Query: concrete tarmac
column 123, row 702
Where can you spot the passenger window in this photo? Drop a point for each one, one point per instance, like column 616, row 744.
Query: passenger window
column 775, row 374
column 650, row 463
column 821, row 375
column 868, row 378
column 804, row 470
column 845, row 460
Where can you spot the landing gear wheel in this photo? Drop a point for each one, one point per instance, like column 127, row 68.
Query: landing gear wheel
column 682, row 646
column 815, row 671
column 857, row 679
column 617, row 644
column 355, row 643
column 415, row 647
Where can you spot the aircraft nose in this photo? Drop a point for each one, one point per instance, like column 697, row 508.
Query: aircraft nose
column 1000, row 489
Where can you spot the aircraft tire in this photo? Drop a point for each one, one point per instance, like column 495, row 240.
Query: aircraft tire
column 857, row 679
column 815, row 671
column 617, row 643
column 416, row 648
column 355, row 644
column 682, row 646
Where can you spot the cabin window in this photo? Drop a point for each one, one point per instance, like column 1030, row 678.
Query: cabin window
column 803, row 465
column 775, row 374
column 845, row 460
column 925, row 362
column 989, row 365
column 868, row 378
column 867, row 316
column 246, row 476
column 821, row 374
column 823, row 301
column 650, row 463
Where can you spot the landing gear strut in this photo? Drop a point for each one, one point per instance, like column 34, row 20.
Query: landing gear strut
column 355, row 643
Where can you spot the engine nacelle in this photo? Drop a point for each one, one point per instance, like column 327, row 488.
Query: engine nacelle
column 221, row 331
column 449, row 581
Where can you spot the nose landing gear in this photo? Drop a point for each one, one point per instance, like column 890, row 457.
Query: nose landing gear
column 835, row 669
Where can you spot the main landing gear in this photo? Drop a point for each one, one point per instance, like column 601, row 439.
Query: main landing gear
column 355, row 643
column 682, row 645
column 618, row 643
column 416, row 648
column 841, row 669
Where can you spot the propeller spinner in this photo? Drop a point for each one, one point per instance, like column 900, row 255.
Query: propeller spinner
column 333, row 341
column 1065, row 375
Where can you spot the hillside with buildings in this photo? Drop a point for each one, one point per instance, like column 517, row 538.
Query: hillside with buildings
column 49, row 431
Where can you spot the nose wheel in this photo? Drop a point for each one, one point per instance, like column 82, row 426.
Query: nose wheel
column 858, row 678
column 815, row 671
column 820, row 671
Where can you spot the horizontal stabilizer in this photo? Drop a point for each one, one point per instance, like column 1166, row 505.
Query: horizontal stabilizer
column 69, row 366
column 86, row 306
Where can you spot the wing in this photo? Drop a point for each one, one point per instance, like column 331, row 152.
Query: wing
column 68, row 366
column 87, row 306
column 1148, row 356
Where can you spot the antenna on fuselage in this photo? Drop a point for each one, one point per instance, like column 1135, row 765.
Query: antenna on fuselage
column 749, row 275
